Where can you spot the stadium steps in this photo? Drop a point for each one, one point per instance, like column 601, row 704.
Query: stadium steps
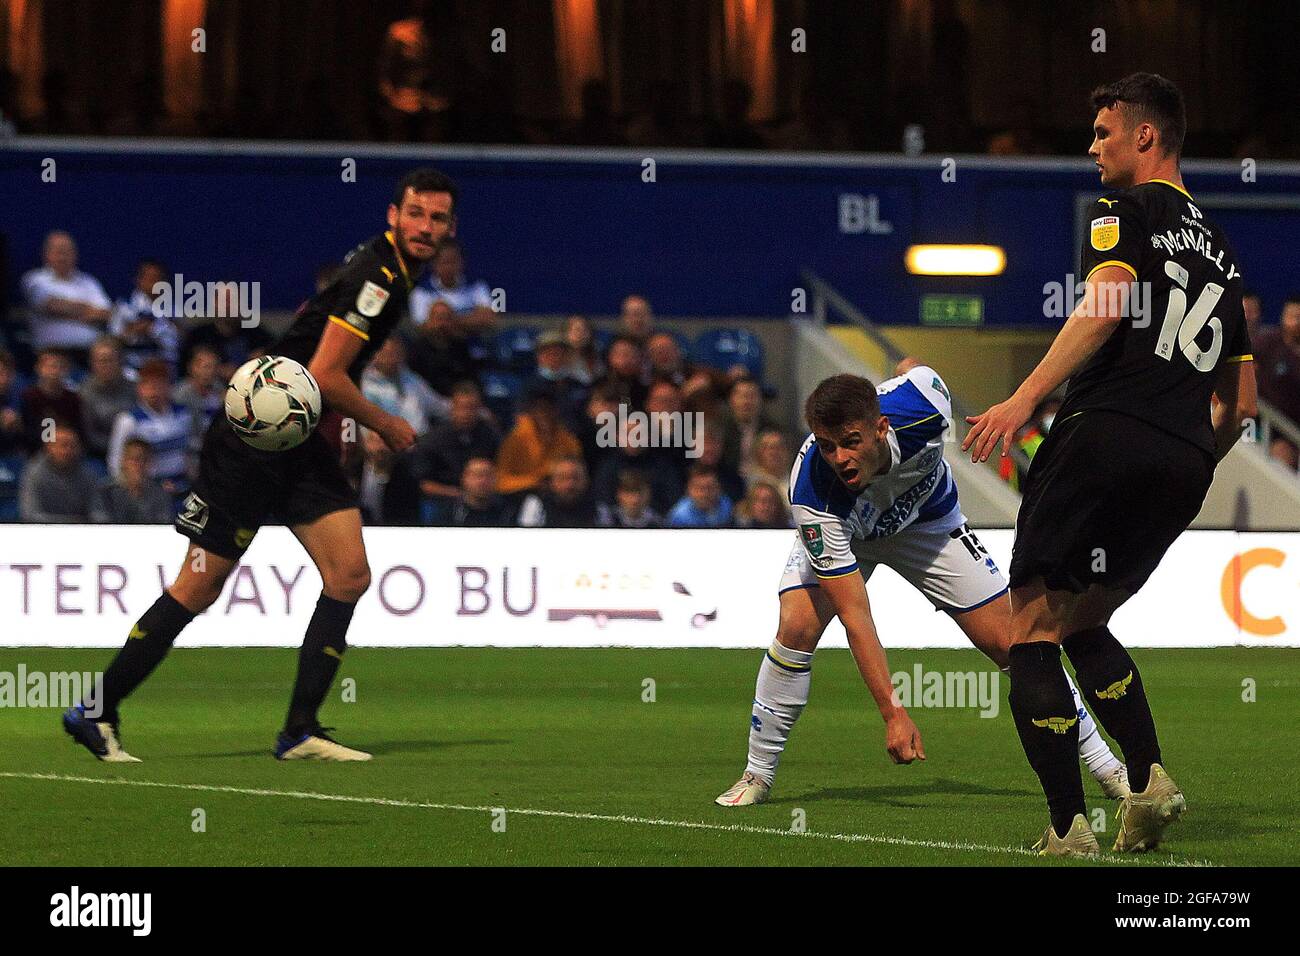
column 822, row 351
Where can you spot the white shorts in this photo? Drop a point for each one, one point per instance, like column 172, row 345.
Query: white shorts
column 943, row 559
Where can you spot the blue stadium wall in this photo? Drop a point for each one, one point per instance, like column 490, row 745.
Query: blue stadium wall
column 573, row 231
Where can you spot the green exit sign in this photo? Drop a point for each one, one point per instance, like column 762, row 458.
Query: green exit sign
column 952, row 310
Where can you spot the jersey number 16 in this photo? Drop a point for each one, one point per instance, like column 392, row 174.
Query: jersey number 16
column 1184, row 326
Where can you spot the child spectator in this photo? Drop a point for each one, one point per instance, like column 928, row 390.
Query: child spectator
column 633, row 503
column 164, row 424
column 133, row 497
column 440, row 455
column 705, row 506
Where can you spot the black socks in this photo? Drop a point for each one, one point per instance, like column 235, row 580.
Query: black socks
column 318, row 662
column 150, row 640
column 1112, row 687
column 1043, row 709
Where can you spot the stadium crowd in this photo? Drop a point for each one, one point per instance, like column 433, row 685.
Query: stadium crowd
column 517, row 426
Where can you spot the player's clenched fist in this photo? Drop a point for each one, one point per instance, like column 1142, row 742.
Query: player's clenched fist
column 902, row 739
column 397, row 433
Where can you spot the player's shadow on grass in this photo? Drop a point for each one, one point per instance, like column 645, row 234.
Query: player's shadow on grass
column 895, row 796
column 382, row 748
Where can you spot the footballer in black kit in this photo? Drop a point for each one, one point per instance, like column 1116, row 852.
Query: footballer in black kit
column 240, row 488
column 1161, row 379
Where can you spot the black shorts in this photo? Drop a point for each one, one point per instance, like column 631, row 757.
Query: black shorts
column 240, row 488
column 1106, row 496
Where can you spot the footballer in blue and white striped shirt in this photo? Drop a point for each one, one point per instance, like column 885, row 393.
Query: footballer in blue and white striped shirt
column 870, row 486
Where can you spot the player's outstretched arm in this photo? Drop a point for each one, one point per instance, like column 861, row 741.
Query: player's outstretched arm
column 338, row 348
column 1105, row 302
column 848, row 594
column 1235, row 400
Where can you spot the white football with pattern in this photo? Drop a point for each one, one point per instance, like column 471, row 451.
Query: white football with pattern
column 273, row 403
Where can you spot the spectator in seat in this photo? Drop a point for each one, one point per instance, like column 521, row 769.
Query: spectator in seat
column 665, row 360
column 69, row 308
column 554, row 364
column 441, row 352
column 143, row 333
column 705, row 391
column 202, row 391
column 587, row 366
column 49, row 399
column 441, row 454
column 772, row 462
column 1252, row 311
column 564, row 502
column 230, row 339
column 742, row 422
column 602, row 402
column 636, row 319
column 166, row 425
column 133, row 497
column 57, row 487
column 624, row 372
column 12, row 435
column 661, row 468
column 105, row 393
column 764, row 507
column 531, row 450
column 388, row 492
column 632, row 499
column 705, row 506
column 1277, row 363
column 479, row 505
column 389, row 383
column 733, row 485
column 470, row 302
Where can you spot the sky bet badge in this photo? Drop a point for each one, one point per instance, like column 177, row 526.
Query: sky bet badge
column 1105, row 232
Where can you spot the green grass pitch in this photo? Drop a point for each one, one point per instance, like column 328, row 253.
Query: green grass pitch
column 457, row 732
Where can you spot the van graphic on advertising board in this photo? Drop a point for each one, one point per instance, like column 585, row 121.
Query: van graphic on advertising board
column 632, row 596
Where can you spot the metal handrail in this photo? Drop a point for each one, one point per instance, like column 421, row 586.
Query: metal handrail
column 824, row 294
column 1272, row 419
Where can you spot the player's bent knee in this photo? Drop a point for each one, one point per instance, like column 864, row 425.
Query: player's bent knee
column 347, row 583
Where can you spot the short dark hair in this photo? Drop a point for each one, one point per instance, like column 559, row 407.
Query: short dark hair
column 1149, row 97
column 1292, row 299
column 426, row 179
column 841, row 399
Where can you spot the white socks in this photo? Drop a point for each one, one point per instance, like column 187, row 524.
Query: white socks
column 779, row 698
column 781, row 693
column 1093, row 749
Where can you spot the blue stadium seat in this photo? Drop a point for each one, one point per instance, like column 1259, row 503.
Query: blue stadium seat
column 516, row 348
column 723, row 348
column 501, row 391
column 434, row 512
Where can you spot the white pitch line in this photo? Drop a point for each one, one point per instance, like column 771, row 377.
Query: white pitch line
column 565, row 815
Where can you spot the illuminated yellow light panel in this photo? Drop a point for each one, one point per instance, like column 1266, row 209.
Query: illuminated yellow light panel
column 959, row 260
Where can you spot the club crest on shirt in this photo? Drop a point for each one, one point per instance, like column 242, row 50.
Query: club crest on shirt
column 370, row 302
column 812, row 539
column 1105, row 232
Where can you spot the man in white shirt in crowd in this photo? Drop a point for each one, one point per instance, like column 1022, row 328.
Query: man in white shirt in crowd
column 68, row 308
column 470, row 302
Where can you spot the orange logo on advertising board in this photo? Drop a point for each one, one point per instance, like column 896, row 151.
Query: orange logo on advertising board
column 1230, row 590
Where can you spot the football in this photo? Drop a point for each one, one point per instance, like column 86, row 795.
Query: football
column 273, row 403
